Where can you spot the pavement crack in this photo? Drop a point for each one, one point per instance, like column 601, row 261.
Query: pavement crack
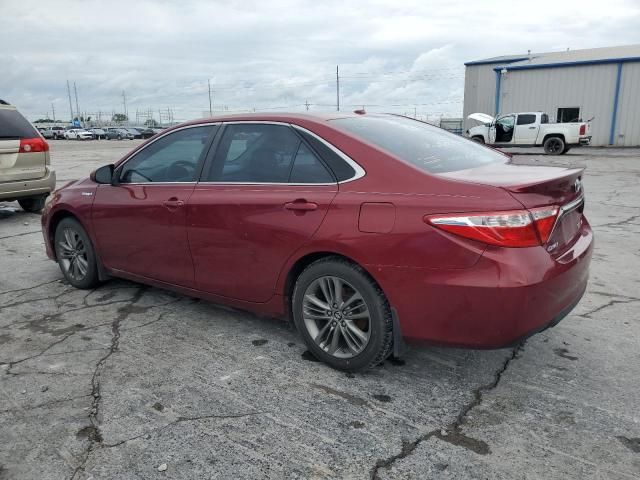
column 19, row 290
column 610, row 303
column 20, row 234
column 96, row 437
column 452, row 433
column 11, row 364
column 180, row 420
column 44, row 404
column 620, row 223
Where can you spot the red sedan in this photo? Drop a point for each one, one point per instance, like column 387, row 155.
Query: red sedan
column 365, row 229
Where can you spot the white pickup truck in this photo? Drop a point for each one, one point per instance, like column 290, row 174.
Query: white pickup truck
column 529, row 129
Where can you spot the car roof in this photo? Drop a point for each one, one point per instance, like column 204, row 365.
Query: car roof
column 277, row 117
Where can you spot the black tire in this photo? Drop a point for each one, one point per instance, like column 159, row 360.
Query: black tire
column 554, row 146
column 32, row 204
column 75, row 276
column 379, row 323
column 478, row 139
column 119, row 137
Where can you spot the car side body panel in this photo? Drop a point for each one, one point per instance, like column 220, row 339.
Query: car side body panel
column 445, row 289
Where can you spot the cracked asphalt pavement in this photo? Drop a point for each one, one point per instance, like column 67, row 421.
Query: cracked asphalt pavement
column 127, row 381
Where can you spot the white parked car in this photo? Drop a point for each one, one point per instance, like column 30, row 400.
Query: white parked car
column 529, row 129
column 78, row 134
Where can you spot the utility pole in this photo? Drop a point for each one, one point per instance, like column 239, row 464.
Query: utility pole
column 337, row 89
column 210, row 105
column 76, row 93
column 124, row 103
column 70, row 104
column 53, row 111
column 306, row 104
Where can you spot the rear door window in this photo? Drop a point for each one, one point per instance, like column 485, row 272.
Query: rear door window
column 255, row 153
column 429, row 148
column 526, row 119
column 14, row 125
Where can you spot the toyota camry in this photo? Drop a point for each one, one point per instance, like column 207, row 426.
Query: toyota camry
column 367, row 230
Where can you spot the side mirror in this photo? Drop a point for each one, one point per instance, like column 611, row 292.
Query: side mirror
column 103, row 175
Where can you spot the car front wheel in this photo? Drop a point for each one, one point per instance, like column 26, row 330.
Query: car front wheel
column 342, row 315
column 75, row 254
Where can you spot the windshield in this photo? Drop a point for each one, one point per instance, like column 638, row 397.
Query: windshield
column 429, row 148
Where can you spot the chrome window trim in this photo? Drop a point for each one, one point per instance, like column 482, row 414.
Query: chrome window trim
column 359, row 171
column 162, row 135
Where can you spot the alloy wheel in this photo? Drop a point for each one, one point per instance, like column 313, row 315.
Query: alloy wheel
column 73, row 254
column 336, row 317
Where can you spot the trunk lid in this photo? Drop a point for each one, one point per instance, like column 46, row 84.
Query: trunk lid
column 537, row 186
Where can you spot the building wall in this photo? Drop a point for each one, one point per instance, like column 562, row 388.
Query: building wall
column 590, row 87
column 479, row 91
column 627, row 132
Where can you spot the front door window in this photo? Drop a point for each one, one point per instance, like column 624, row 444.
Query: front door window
column 504, row 129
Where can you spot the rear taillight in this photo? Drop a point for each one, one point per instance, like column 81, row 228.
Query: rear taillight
column 33, row 145
column 583, row 129
column 516, row 228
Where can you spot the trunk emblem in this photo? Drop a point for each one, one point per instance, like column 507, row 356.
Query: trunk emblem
column 577, row 185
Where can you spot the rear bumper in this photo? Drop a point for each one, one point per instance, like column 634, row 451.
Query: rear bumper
column 29, row 188
column 510, row 294
column 585, row 141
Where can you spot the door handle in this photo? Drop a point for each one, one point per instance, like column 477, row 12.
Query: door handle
column 301, row 206
column 173, row 203
column 532, row 128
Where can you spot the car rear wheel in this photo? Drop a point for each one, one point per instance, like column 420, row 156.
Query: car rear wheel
column 342, row 315
column 478, row 139
column 32, row 204
column 75, row 254
column 554, row 146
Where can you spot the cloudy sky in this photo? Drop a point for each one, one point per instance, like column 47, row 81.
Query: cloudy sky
column 394, row 55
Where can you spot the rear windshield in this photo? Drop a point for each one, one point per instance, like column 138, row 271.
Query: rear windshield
column 429, row 148
column 14, row 125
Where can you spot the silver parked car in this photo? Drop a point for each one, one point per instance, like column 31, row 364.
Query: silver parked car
column 25, row 166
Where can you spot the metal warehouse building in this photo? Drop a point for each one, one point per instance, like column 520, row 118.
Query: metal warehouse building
column 599, row 83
